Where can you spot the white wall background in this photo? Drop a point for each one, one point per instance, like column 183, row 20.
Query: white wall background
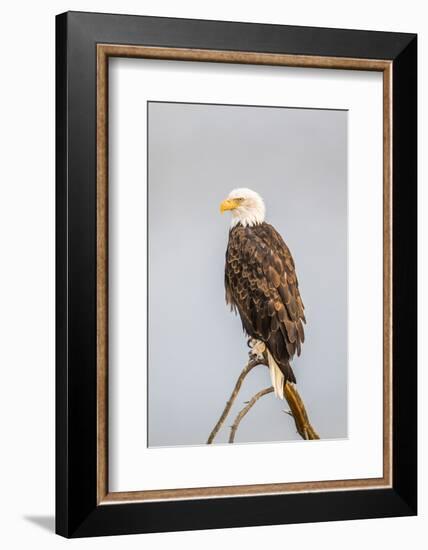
column 27, row 271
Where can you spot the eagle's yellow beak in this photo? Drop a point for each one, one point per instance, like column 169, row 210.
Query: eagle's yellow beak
column 228, row 204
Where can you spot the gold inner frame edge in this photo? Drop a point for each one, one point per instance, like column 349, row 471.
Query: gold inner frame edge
column 104, row 51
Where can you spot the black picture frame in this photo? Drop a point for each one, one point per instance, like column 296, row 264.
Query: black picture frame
column 77, row 511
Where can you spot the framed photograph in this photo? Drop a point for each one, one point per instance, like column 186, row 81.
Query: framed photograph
column 236, row 274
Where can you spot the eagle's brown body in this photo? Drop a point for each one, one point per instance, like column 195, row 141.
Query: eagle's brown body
column 261, row 284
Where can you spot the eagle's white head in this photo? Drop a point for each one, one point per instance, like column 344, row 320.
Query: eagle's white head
column 246, row 205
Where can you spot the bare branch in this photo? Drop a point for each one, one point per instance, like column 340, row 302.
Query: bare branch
column 298, row 412
column 247, row 369
column 244, row 411
column 295, row 402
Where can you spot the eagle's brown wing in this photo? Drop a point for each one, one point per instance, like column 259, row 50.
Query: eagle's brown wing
column 261, row 284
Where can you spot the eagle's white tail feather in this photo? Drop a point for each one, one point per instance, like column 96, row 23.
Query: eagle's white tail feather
column 276, row 376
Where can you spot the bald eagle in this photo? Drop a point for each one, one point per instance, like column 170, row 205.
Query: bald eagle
column 261, row 285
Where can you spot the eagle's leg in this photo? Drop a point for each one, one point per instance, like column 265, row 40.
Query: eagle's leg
column 257, row 348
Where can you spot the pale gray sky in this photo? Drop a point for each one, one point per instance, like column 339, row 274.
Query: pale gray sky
column 297, row 160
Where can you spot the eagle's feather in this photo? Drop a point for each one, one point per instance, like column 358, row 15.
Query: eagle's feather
column 261, row 284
